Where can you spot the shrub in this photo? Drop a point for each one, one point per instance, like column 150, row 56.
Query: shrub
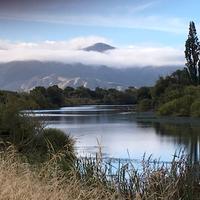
column 145, row 105
column 17, row 127
column 30, row 138
column 53, row 141
column 195, row 108
column 192, row 90
column 177, row 107
column 167, row 108
column 172, row 93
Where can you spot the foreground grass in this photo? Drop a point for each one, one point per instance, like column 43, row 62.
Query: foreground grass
column 150, row 180
column 19, row 180
column 91, row 179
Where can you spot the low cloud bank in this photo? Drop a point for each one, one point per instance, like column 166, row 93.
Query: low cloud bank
column 71, row 52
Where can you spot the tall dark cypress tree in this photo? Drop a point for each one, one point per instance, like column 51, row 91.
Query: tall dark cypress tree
column 192, row 48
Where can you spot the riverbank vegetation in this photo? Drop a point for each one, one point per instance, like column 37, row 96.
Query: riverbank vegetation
column 40, row 163
column 96, row 179
column 30, row 137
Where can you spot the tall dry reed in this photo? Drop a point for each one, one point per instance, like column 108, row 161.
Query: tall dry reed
column 19, row 181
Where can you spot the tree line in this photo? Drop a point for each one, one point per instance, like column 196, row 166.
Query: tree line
column 176, row 94
column 54, row 97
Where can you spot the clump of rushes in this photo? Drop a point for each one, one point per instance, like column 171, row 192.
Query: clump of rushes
column 97, row 178
column 31, row 138
column 20, row 180
column 153, row 180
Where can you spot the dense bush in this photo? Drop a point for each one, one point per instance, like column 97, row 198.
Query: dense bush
column 16, row 127
column 177, row 107
column 144, row 105
column 53, row 141
column 195, row 108
column 29, row 135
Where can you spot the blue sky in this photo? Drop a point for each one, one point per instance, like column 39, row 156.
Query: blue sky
column 158, row 26
column 162, row 22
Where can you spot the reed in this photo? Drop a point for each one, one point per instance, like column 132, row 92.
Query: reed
column 20, row 180
column 151, row 180
column 95, row 178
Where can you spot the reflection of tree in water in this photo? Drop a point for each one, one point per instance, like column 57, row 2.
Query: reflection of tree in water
column 184, row 134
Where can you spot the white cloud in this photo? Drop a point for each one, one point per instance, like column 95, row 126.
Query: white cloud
column 139, row 7
column 69, row 52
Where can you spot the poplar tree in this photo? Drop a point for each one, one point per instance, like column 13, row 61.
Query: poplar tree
column 192, row 50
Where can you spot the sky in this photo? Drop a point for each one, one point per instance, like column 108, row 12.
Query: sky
column 57, row 30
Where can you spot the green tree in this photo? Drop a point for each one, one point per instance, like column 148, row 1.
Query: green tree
column 192, row 55
column 39, row 95
column 181, row 77
column 145, row 105
column 144, row 93
column 55, row 95
column 68, row 91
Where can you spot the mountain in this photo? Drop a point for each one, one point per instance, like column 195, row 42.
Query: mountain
column 25, row 75
column 99, row 47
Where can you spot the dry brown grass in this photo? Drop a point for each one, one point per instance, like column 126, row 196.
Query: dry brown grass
column 88, row 181
column 20, row 181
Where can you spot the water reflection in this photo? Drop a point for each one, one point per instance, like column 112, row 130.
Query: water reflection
column 186, row 134
column 181, row 131
column 123, row 132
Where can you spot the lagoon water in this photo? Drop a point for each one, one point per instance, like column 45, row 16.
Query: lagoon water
column 123, row 133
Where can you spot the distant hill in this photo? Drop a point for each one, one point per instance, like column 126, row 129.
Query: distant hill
column 99, row 47
column 25, row 75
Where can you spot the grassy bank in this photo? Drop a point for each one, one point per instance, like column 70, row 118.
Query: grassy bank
column 91, row 178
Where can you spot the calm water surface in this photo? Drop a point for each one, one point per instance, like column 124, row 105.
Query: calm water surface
column 123, row 133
